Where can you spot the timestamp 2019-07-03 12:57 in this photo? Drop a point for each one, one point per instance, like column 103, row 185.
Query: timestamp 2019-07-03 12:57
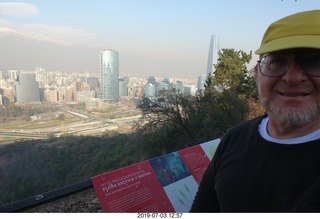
column 159, row 215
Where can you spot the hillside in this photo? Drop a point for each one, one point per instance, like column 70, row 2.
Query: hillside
column 37, row 166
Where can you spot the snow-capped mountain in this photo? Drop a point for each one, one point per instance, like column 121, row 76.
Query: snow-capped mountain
column 20, row 50
column 8, row 32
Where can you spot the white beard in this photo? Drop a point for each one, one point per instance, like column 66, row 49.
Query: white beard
column 290, row 115
column 294, row 116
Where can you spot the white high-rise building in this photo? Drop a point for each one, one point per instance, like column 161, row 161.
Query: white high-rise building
column 214, row 48
column 13, row 74
column 41, row 76
column 109, row 75
column 201, row 82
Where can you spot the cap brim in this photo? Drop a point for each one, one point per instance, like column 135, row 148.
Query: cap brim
column 290, row 42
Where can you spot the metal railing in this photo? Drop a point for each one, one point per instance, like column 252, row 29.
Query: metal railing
column 40, row 199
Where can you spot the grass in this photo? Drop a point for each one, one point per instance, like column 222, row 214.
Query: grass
column 40, row 123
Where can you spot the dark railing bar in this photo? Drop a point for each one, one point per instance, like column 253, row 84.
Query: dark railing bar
column 40, row 199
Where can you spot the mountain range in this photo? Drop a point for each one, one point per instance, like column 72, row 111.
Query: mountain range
column 26, row 51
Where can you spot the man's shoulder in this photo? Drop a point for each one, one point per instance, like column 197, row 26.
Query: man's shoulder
column 244, row 131
column 240, row 135
column 246, row 126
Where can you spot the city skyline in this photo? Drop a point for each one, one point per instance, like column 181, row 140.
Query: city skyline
column 57, row 87
column 152, row 37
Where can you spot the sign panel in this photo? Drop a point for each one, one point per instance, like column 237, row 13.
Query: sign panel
column 196, row 160
column 163, row 184
column 131, row 189
column 176, row 179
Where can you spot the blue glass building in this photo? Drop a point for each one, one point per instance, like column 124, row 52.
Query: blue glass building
column 109, row 75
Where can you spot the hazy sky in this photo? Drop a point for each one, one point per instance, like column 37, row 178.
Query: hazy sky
column 152, row 36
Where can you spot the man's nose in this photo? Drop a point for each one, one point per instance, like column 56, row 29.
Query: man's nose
column 295, row 73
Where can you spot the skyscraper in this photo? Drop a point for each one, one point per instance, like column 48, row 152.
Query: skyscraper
column 152, row 80
column 27, row 89
column 214, row 48
column 201, row 82
column 41, row 76
column 93, row 82
column 149, row 91
column 109, row 75
column 123, row 86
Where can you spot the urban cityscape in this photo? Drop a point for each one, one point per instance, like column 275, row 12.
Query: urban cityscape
column 97, row 92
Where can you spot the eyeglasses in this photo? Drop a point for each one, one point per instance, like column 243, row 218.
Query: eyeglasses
column 277, row 64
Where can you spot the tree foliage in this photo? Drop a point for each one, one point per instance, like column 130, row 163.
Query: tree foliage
column 13, row 112
column 166, row 120
column 174, row 121
column 33, row 167
column 231, row 70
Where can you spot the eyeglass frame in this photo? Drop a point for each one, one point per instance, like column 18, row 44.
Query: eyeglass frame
column 293, row 56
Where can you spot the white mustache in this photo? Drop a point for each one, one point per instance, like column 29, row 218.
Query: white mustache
column 299, row 90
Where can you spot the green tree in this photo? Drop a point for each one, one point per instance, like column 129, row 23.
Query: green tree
column 231, row 71
column 232, row 75
column 174, row 121
column 168, row 122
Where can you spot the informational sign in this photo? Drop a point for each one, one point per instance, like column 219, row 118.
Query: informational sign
column 131, row 189
column 163, row 184
column 196, row 160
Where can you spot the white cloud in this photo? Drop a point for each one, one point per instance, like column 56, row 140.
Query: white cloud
column 18, row 9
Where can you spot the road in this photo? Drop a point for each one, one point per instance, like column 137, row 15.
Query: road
column 86, row 125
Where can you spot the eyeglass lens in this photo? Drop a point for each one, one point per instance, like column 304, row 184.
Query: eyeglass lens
column 277, row 64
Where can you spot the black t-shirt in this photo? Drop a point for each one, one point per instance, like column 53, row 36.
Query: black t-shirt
column 250, row 174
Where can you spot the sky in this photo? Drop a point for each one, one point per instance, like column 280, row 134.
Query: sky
column 153, row 37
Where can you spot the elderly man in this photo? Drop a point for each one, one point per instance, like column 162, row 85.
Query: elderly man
column 272, row 163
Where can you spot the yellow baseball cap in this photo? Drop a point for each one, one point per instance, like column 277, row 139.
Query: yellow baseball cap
column 301, row 30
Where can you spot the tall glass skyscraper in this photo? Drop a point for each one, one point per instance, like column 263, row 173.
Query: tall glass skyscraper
column 109, row 75
column 214, row 48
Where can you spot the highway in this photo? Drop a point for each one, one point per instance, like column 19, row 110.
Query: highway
column 87, row 125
